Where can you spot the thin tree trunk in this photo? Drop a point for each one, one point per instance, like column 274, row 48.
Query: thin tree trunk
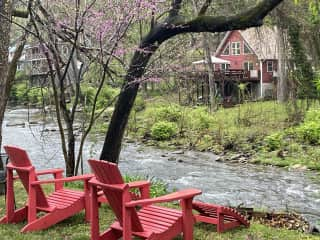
column 210, row 70
column 209, row 66
column 282, row 85
column 5, row 27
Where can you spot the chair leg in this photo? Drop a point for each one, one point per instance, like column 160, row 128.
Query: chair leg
column 110, row 234
column 18, row 216
column 188, row 219
column 220, row 225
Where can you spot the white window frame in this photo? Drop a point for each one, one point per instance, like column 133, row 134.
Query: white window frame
column 227, row 46
column 248, row 65
column 244, row 45
column 272, row 67
column 226, row 66
column 236, row 48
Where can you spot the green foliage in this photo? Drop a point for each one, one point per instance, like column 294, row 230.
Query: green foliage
column 171, row 113
column 163, row 130
column 106, row 95
column 309, row 132
column 158, row 187
column 200, row 119
column 312, row 115
column 273, row 141
column 88, row 92
column 302, row 72
column 21, row 93
column 139, row 104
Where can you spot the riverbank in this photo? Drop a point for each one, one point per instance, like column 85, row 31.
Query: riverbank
column 255, row 132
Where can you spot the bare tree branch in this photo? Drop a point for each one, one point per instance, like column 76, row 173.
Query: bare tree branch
column 205, row 7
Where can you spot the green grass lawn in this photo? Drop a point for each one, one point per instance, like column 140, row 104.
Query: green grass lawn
column 76, row 228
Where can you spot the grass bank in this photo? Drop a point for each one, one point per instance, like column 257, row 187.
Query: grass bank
column 265, row 132
column 76, row 228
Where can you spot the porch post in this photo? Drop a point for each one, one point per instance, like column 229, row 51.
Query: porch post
column 261, row 79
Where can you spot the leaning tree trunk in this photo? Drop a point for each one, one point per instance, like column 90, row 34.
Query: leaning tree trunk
column 5, row 27
column 174, row 25
column 112, row 145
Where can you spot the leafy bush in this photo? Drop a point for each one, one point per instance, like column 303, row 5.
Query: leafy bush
column 274, row 141
column 158, row 187
column 171, row 113
column 18, row 93
column 106, row 95
column 312, row 115
column 309, row 132
column 88, row 93
column 139, row 104
column 199, row 119
column 163, row 130
column 21, row 94
column 36, row 95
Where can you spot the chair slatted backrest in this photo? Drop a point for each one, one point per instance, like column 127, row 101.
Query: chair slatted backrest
column 18, row 157
column 108, row 173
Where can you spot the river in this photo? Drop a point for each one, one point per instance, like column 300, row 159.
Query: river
column 263, row 187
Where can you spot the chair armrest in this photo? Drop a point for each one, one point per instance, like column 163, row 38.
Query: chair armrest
column 62, row 180
column 138, row 184
column 119, row 187
column 49, row 171
column 183, row 194
column 23, row 169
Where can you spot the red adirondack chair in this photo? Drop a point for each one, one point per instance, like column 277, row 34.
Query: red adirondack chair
column 150, row 222
column 59, row 205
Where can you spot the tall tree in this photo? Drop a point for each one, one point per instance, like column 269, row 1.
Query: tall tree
column 174, row 24
column 7, row 71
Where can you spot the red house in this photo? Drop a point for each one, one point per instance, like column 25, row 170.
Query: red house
column 255, row 51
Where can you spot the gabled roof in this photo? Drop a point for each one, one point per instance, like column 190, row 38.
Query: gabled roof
column 262, row 40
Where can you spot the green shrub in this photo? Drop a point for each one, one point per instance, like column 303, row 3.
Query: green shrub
column 106, row 95
column 199, row 119
column 309, row 132
column 163, row 130
column 18, row 93
column 158, row 187
column 88, row 93
column 312, row 116
column 273, row 141
column 171, row 113
column 139, row 104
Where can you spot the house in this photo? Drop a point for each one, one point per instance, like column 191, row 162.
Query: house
column 21, row 65
column 254, row 53
column 38, row 63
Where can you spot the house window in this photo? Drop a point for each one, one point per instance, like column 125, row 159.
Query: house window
column 226, row 51
column 235, row 48
column 246, row 49
column 269, row 66
column 35, row 50
column 248, row 66
column 224, row 66
column 65, row 50
column 19, row 66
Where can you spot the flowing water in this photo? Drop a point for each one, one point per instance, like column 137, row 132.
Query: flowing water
column 263, row 187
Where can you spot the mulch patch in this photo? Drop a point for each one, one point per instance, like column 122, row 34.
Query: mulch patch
column 290, row 221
